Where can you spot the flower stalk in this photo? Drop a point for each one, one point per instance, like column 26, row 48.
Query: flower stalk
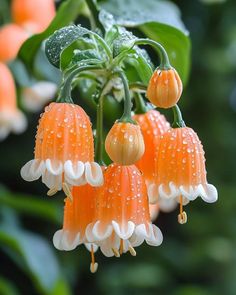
column 65, row 93
column 178, row 119
column 126, row 117
column 141, row 107
column 165, row 63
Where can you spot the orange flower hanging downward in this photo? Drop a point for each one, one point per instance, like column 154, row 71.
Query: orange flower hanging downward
column 11, row 118
column 11, row 39
column 153, row 126
column 180, row 169
column 64, row 150
column 122, row 219
column 164, row 88
column 33, row 15
column 124, row 143
column 77, row 215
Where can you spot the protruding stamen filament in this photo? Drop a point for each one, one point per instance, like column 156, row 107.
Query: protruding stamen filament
column 182, row 217
column 67, row 191
column 132, row 251
column 93, row 264
column 121, row 246
column 52, row 191
column 116, row 252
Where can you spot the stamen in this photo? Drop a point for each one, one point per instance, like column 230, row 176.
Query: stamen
column 182, row 217
column 93, row 264
column 132, row 251
column 116, row 252
column 67, row 191
column 121, row 246
column 52, row 192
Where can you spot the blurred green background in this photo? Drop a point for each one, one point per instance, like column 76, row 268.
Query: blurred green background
column 198, row 258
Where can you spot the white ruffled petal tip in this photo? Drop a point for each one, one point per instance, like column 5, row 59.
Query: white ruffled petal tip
column 75, row 174
column 158, row 193
column 61, row 240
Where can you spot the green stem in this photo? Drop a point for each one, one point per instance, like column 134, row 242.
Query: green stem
column 138, row 86
column 140, row 104
column 99, row 133
column 165, row 63
column 104, row 45
column 99, row 128
column 178, row 120
column 126, row 117
column 65, row 93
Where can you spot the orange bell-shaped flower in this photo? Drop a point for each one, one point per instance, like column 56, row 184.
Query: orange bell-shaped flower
column 78, row 213
column 164, row 88
column 180, row 169
column 124, row 143
column 33, row 15
column 153, row 126
column 11, row 38
column 64, row 150
column 11, row 118
column 122, row 219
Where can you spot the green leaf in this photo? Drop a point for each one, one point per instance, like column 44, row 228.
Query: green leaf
column 31, row 205
column 160, row 21
column 142, row 64
column 106, row 19
column 7, row 287
column 67, row 12
column 83, row 44
column 123, row 42
column 34, row 255
column 89, row 54
column 60, row 40
column 132, row 13
column 44, row 69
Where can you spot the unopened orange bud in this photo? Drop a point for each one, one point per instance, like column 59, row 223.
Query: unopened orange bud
column 165, row 88
column 124, row 143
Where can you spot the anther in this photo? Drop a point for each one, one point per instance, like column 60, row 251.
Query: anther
column 67, row 191
column 132, row 251
column 182, row 218
column 93, row 267
column 93, row 264
column 116, row 252
column 52, row 191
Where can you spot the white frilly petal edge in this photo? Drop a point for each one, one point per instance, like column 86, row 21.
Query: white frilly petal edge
column 62, row 242
column 207, row 192
column 93, row 234
column 132, row 235
column 75, row 174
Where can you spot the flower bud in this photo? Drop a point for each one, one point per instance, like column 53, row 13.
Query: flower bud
column 124, row 143
column 165, row 88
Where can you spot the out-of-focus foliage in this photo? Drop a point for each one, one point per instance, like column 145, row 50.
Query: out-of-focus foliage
column 195, row 259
